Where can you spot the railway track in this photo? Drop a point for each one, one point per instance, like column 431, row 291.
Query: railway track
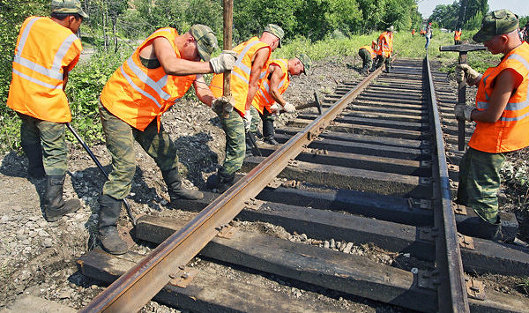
column 372, row 170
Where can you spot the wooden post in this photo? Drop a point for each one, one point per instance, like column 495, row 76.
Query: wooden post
column 227, row 41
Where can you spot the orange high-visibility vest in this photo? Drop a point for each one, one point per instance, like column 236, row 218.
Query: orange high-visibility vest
column 240, row 75
column 457, row 35
column 511, row 131
column 371, row 51
column 385, row 44
column 263, row 99
column 138, row 95
column 44, row 49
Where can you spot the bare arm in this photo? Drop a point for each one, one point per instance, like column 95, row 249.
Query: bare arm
column 506, row 83
column 175, row 66
column 275, row 79
column 203, row 92
column 257, row 66
column 65, row 78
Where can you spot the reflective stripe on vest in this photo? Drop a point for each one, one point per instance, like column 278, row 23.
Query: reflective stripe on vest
column 509, row 132
column 55, row 71
column 138, row 95
column 240, row 75
column 264, row 100
column 44, row 50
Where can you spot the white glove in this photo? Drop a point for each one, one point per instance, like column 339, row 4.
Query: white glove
column 223, row 105
column 289, row 108
column 223, row 62
column 468, row 74
column 276, row 108
column 247, row 120
column 463, row 112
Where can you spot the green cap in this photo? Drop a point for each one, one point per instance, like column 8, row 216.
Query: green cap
column 206, row 40
column 276, row 31
column 497, row 22
column 68, row 6
column 306, row 62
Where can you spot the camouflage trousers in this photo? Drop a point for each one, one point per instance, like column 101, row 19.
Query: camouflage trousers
column 479, row 182
column 233, row 127
column 51, row 137
column 380, row 59
column 254, row 125
column 120, row 138
column 365, row 55
column 268, row 117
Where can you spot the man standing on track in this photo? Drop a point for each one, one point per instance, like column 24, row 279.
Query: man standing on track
column 501, row 116
column 385, row 49
column 457, row 37
column 47, row 50
column 246, row 78
column 269, row 100
column 152, row 80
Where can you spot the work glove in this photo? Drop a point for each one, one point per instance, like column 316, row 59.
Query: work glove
column 466, row 73
column 463, row 112
column 289, row 108
column 224, row 62
column 247, row 120
column 223, row 105
column 276, row 108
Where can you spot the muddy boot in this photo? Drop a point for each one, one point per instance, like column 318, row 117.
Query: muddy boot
column 268, row 132
column 34, row 154
column 220, row 183
column 174, row 185
column 107, row 225
column 54, row 205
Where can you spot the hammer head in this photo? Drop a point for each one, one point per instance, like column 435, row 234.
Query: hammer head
column 462, row 48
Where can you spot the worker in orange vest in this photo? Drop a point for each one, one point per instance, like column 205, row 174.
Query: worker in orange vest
column 500, row 114
column 384, row 49
column 47, row 50
column 152, row 80
column 269, row 100
column 246, row 79
column 457, row 37
column 367, row 54
column 413, row 32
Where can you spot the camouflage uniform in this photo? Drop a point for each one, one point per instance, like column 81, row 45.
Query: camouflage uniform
column 233, row 126
column 33, row 132
column 479, row 181
column 367, row 61
column 120, row 138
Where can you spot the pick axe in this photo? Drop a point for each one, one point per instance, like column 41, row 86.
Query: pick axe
column 462, row 88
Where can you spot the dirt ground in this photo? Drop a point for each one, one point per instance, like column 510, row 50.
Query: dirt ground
column 38, row 258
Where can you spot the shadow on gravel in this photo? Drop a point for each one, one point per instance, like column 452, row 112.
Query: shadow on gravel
column 197, row 157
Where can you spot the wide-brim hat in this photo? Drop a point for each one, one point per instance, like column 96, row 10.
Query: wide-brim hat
column 68, row 7
column 497, row 22
column 207, row 43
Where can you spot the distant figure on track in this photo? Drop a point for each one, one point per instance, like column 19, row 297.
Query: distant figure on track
column 501, row 118
column 457, row 37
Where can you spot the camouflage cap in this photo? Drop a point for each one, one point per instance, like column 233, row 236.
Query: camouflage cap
column 497, row 22
column 68, row 6
column 206, row 40
column 306, row 62
column 276, row 31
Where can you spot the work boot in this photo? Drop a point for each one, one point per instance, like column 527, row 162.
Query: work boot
column 34, row 154
column 494, row 231
column 174, row 186
column 54, row 205
column 220, row 183
column 249, row 147
column 107, row 225
column 269, row 132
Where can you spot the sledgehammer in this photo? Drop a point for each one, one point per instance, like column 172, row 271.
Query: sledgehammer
column 462, row 88
column 96, row 161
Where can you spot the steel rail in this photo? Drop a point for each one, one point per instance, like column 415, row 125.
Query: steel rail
column 141, row 283
column 452, row 295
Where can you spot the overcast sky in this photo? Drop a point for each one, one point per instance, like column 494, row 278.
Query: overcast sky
column 520, row 7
